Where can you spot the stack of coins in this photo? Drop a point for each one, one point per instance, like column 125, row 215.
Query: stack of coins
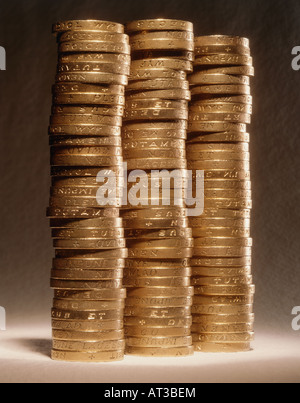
column 218, row 144
column 158, row 307
column 85, row 139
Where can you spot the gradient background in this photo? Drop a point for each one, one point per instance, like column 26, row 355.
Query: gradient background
column 25, row 91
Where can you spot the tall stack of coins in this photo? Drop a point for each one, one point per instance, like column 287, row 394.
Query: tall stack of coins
column 218, row 144
column 85, row 140
column 158, row 307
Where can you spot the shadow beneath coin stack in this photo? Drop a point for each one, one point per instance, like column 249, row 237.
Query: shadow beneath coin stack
column 38, row 346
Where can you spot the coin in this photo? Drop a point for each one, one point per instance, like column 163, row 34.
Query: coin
column 81, row 67
column 159, row 341
column 160, row 323
column 223, row 319
column 223, row 328
column 85, row 336
column 69, row 356
column 157, row 281
column 223, row 49
column 161, row 292
column 224, row 337
column 162, row 63
column 88, row 295
column 225, row 290
column 87, row 25
column 86, row 285
column 160, row 352
column 221, row 347
column 221, row 271
column 93, row 326
column 65, row 305
column 78, row 274
column 92, row 35
column 88, row 264
column 160, row 313
column 221, row 309
column 239, row 280
column 92, row 254
column 89, row 346
column 132, row 331
column 86, row 315
column 160, row 24
column 158, row 302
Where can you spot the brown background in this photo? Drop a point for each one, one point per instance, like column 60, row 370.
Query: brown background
column 25, row 90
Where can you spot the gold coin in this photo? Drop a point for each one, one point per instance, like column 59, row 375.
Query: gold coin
column 168, row 126
column 223, row 319
column 62, row 304
column 161, row 292
column 87, row 25
column 234, row 301
column 197, row 164
column 172, row 94
column 239, row 204
column 156, row 223
column 87, row 172
column 115, row 58
column 222, row 49
column 96, row 99
column 159, row 272
column 69, row 356
column 222, row 271
column 223, row 328
column 93, row 254
column 158, row 322
column 85, row 336
column 154, row 154
column 88, row 264
column 161, row 44
column 162, row 243
column 244, row 242
column 81, row 160
column 157, row 163
column 86, row 274
column 74, row 183
column 160, row 352
column 159, row 24
column 158, row 84
column 86, row 151
column 92, row 78
column 219, row 117
column 163, row 35
column 222, row 310
column 137, row 331
column 93, row 326
column 221, row 347
column 234, row 89
column 77, row 88
column 223, row 60
column 93, row 67
column 63, row 141
column 157, row 302
column 60, row 212
column 94, row 46
column 160, row 313
column 155, row 144
column 86, row 285
column 162, row 63
column 195, row 138
column 169, row 253
column 89, row 346
column 157, row 282
column 156, row 104
column 153, row 135
column 73, row 224
column 88, row 295
column 224, row 337
column 221, row 232
column 235, row 281
column 220, row 107
column 159, row 234
column 84, row 130
column 221, row 262
column 149, row 264
column 89, row 243
column 213, row 224
column 157, row 73
column 155, row 114
column 234, row 70
column 223, row 40
column 93, row 35
column 72, row 119
column 226, row 184
column 159, row 341
column 225, row 290
column 199, row 78
column 109, row 233
column 219, row 251
column 88, row 202
column 86, row 315
column 214, row 127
